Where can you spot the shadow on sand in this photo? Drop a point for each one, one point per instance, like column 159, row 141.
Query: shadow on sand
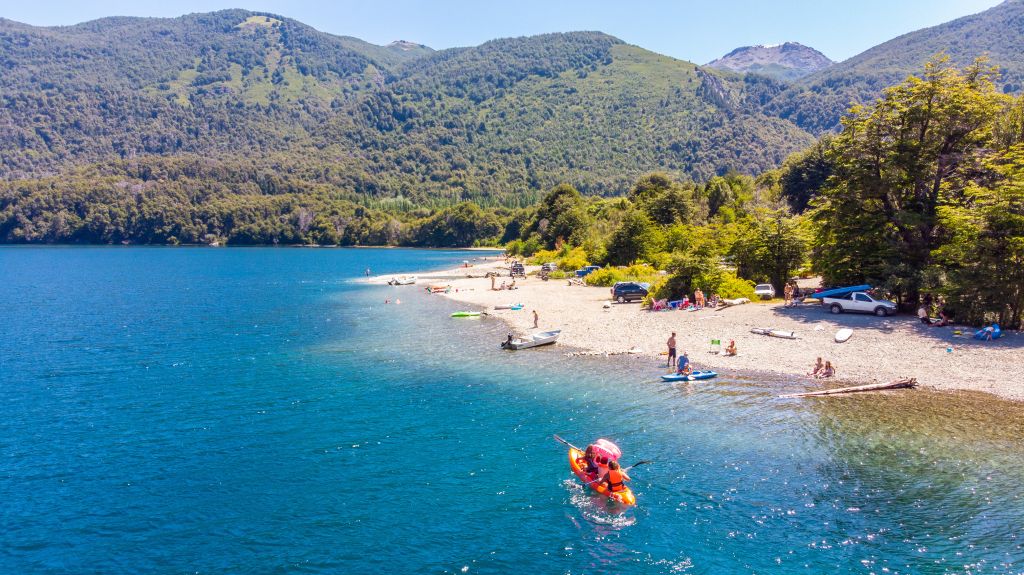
column 812, row 314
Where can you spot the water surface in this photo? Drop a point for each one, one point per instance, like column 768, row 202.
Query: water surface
column 260, row 411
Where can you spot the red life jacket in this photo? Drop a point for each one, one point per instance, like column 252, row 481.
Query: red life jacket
column 614, row 479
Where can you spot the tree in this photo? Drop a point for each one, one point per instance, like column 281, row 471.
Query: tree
column 769, row 248
column 636, row 239
column 895, row 162
column 980, row 268
column 804, row 174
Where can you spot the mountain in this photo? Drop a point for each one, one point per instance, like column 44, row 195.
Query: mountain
column 816, row 102
column 787, row 61
column 500, row 121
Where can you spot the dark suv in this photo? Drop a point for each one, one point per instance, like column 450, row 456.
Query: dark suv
column 629, row 291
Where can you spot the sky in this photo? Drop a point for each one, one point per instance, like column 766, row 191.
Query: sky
column 688, row 30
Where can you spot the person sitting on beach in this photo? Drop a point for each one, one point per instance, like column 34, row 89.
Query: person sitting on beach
column 684, row 365
column 944, row 319
column 731, row 348
column 818, row 366
column 615, row 478
column 503, row 286
column 827, row 371
column 922, row 314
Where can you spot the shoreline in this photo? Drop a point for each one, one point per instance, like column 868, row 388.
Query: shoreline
column 881, row 349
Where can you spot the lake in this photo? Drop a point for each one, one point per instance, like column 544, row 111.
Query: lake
column 201, row 410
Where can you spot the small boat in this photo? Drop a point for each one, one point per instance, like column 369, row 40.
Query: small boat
column 697, row 375
column 534, row 340
column 625, row 497
column 843, row 335
column 511, row 306
column 436, row 288
column 402, row 281
column 466, row 314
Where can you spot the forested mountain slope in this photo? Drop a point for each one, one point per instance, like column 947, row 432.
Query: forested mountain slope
column 817, row 101
column 509, row 117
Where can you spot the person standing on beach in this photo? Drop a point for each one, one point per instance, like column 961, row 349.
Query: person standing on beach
column 536, row 318
column 671, row 350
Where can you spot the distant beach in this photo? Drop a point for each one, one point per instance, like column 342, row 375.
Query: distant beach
column 881, row 349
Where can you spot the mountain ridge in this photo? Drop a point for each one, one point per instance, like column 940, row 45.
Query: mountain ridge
column 785, row 61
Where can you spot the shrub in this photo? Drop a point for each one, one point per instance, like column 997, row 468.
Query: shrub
column 543, row 257
column 733, row 287
column 573, row 259
column 531, row 246
column 514, row 248
column 605, row 277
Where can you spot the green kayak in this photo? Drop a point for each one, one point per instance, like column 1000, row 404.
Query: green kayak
column 466, row 314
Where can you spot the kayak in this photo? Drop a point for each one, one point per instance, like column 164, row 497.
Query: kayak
column 624, row 497
column 700, row 374
column 466, row 314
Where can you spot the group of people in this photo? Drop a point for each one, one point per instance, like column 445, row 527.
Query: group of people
column 792, row 294
column 605, row 468
column 700, row 301
column 822, row 370
column 924, row 316
column 682, row 362
column 504, row 286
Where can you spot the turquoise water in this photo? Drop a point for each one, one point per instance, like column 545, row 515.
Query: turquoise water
column 257, row 411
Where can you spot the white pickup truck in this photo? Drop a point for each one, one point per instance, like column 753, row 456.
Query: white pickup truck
column 859, row 301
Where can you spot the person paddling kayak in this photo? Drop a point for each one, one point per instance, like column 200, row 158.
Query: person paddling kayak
column 684, row 367
column 615, row 478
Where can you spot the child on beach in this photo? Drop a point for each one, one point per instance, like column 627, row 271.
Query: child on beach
column 827, row 371
column 731, row 348
column 818, row 366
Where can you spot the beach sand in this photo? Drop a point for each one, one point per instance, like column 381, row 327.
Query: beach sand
column 881, row 349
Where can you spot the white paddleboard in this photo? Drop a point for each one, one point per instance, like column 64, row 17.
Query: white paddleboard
column 843, row 334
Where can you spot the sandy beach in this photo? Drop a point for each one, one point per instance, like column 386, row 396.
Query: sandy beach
column 881, row 349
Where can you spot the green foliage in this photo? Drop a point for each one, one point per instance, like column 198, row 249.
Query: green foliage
column 894, row 164
column 691, row 270
column 732, row 287
column 980, row 267
column 543, row 257
column 636, row 239
column 607, row 276
column 803, row 175
column 769, row 248
column 573, row 259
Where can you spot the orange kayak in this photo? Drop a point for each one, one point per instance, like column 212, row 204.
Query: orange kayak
column 624, row 497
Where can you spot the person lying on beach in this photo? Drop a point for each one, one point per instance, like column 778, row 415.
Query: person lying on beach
column 827, row 371
column 684, row 365
column 818, row 366
column 731, row 348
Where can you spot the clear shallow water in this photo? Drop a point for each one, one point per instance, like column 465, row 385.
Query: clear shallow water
column 257, row 411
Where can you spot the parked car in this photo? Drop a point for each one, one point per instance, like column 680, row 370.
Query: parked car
column 548, row 267
column 629, row 291
column 764, row 291
column 861, row 302
column 517, row 270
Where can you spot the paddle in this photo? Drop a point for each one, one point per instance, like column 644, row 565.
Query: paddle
column 560, row 440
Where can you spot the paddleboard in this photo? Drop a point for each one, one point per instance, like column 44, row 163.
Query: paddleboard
column 697, row 375
column 843, row 334
column 466, row 314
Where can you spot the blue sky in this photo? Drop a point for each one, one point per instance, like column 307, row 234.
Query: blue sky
column 696, row 31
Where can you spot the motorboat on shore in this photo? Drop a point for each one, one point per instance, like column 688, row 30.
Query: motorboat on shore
column 533, row 340
column 402, row 281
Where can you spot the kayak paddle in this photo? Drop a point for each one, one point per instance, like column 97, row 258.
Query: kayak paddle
column 560, row 440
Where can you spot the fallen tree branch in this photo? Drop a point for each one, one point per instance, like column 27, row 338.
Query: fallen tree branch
column 905, row 383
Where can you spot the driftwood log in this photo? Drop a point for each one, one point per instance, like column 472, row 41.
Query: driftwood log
column 905, row 383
